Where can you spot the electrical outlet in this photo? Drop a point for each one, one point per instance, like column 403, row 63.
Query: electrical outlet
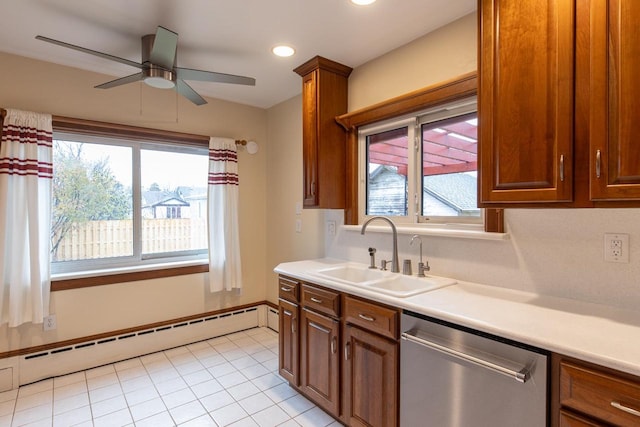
column 616, row 247
column 50, row 323
column 331, row 228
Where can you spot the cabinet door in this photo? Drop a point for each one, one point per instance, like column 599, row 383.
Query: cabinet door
column 319, row 360
column 310, row 138
column 526, row 66
column 370, row 379
column 288, row 341
column 614, row 91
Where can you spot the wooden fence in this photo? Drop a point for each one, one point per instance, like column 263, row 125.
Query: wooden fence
column 105, row 239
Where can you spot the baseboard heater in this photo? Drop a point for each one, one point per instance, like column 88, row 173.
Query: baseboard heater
column 64, row 360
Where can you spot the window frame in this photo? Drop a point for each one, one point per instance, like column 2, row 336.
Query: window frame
column 413, row 123
column 456, row 89
column 90, row 128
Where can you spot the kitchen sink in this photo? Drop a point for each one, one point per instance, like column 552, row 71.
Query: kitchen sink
column 384, row 282
column 402, row 286
column 354, row 274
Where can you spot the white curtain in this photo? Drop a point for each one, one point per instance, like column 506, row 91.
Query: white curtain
column 26, row 173
column 225, row 268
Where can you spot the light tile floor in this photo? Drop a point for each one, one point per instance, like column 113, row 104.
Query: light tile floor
column 226, row 381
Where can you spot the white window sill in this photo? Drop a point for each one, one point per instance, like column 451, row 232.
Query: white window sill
column 455, row 230
column 129, row 269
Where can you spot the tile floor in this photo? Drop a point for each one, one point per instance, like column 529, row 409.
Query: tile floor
column 226, row 381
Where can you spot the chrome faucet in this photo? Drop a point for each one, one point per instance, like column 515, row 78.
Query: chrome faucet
column 422, row 267
column 395, row 268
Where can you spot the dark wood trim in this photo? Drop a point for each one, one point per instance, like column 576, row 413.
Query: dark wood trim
column 108, row 279
column 441, row 93
column 430, row 96
column 271, row 305
column 318, row 62
column 95, row 128
column 351, row 178
column 494, row 220
column 74, row 341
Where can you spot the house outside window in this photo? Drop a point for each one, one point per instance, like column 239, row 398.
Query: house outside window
column 120, row 203
column 422, row 168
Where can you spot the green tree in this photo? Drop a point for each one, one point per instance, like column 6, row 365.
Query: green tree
column 83, row 190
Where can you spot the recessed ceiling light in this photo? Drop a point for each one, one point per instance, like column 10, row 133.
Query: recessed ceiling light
column 362, row 2
column 283, row 51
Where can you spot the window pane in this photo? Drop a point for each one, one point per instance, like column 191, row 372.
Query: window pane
column 449, row 167
column 92, row 202
column 174, row 201
column 387, row 160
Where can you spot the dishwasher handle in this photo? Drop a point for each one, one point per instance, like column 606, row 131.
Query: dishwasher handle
column 521, row 376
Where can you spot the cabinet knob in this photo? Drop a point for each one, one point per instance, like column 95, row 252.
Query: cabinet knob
column 562, row 167
column 316, row 300
column 598, row 163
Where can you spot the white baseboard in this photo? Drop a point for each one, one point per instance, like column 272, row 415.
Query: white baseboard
column 64, row 360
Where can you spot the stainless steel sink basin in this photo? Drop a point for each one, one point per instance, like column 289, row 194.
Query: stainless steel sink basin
column 404, row 286
column 354, row 274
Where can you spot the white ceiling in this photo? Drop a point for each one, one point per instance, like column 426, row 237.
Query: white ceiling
column 228, row 36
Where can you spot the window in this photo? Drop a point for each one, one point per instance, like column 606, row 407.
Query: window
column 423, row 167
column 120, row 202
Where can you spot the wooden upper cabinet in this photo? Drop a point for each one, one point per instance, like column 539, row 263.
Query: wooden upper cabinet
column 526, row 98
column 611, row 59
column 324, row 96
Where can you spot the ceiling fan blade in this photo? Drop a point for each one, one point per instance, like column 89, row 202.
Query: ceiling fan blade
column 185, row 90
column 91, row 52
column 121, row 81
column 163, row 52
column 211, row 76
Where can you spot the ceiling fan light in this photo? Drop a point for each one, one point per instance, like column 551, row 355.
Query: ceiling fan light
column 283, row 51
column 159, row 78
column 362, row 2
column 159, row 82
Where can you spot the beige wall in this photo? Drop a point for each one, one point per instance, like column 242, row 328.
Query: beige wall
column 445, row 53
column 39, row 86
column 285, row 191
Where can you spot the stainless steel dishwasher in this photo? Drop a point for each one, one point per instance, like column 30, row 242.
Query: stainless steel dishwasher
column 456, row 377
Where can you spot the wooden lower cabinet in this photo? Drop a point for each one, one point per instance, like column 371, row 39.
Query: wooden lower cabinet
column 342, row 352
column 320, row 360
column 567, row 419
column 590, row 395
column 288, row 341
column 370, row 379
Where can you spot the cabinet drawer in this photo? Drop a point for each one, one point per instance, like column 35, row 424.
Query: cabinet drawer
column 568, row 419
column 371, row 316
column 322, row 300
column 289, row 289
column 600, row 395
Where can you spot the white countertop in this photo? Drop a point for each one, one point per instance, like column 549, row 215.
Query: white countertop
column 595, row 333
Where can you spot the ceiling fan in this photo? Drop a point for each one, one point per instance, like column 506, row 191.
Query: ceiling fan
column 158, row 67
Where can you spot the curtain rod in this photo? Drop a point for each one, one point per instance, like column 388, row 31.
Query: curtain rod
column 243, row 142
